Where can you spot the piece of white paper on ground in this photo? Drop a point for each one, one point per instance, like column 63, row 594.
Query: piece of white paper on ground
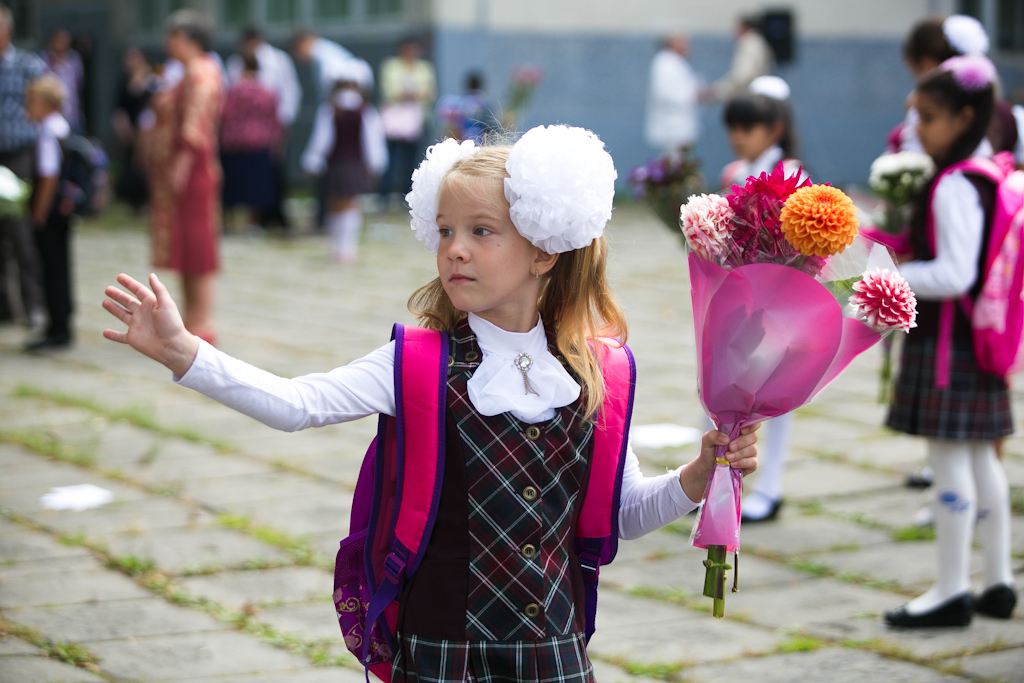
column 664, row 435
column 78, row 498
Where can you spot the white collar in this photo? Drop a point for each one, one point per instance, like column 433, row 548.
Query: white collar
column 767, row 161
column 497, row 384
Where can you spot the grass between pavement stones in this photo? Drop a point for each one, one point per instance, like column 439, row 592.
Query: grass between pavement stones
column 70, row 653
column 137, row 416
column 143, row 418
column 297, row 548
column 146, row 574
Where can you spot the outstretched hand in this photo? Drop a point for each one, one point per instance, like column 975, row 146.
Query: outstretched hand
column 154, row 325
column 741, row 453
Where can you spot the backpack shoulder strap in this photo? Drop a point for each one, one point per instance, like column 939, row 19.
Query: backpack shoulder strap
column 421, row 380
column 597, row 528
column 994, row 172
column 412, row 453
column 599, row 517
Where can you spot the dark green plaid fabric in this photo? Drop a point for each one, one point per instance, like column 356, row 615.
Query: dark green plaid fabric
column 974, row 406
column 561, row 659
column 501, row 462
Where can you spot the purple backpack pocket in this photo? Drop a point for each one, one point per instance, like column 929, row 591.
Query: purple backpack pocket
column 352, row 595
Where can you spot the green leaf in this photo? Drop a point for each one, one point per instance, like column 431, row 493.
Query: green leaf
column 842, row 289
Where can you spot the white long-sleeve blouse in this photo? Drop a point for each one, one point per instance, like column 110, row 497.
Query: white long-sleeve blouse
column 365, row 387
column 959, row 229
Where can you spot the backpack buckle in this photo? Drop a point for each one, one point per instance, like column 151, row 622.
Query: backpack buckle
column 394, row 567
column 591, row 564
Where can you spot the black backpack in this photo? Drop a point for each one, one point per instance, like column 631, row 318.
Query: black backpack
column 82, row 176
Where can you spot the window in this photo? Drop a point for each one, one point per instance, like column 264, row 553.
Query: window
column 972, row 8
column 376, row 8
column 281, row 11
column 332, row 9
column 1010, row 25
column 147, row 15
column 23, row 24
column 235, row 12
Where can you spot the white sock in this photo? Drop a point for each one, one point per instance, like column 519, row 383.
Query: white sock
column 772, row 461
column 954, row 521
column 347, row 244
column 336, row 224
column 993, row 513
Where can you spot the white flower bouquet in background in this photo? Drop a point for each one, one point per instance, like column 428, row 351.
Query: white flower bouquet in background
column 897, row 179
column 14, row 193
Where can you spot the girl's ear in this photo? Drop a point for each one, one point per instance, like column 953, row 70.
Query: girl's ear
column 778, row 130
column 544, row 262
column 963, row 119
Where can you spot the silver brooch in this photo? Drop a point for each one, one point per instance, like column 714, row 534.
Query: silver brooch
column 523, row 363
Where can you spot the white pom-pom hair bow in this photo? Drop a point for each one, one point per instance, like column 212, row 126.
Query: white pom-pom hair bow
column 560, row 189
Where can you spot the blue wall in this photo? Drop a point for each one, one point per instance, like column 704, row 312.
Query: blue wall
column 847, row 93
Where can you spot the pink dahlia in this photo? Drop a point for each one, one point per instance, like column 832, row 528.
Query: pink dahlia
column 885, row 301
column 705, row 220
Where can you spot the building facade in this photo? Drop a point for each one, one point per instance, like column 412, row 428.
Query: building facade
column 846, row 75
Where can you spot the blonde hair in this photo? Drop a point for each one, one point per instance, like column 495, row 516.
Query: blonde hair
column 50, row 89
column 575, row 299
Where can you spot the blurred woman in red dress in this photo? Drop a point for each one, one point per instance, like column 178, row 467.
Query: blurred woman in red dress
column 185, row 173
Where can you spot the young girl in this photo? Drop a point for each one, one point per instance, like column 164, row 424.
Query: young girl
column 963, row 420
column 761, row 134
column 760, row 131
column 348, row 144
column 521, row 260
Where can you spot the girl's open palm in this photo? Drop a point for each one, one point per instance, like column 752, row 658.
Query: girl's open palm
column 154, row 325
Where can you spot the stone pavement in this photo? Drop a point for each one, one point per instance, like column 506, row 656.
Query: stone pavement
column 213, row 563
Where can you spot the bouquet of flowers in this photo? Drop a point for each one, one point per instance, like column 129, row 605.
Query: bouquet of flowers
column 666, row 183
column 14, row 194
column 897, row 179
column 525, row 80
column 786, row 293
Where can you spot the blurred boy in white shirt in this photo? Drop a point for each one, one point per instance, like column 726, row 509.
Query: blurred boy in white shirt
column 50, row 220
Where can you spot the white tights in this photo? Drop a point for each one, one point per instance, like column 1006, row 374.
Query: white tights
column 969, row 484
column 345, row 228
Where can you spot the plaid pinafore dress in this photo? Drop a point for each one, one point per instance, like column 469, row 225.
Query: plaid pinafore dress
column 499, row 595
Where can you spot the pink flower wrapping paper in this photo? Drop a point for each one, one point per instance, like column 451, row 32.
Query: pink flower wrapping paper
column 774, row 326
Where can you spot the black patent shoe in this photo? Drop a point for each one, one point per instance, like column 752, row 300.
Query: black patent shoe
column 997, row 601
column 49, row 343
column 956, row 611
column 773, row 512
column 919, row 480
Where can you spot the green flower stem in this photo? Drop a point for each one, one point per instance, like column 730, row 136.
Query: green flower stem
column 715, row 577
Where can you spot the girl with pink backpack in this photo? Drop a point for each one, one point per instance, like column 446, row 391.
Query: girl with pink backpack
column 501, row 477
column 964, row 269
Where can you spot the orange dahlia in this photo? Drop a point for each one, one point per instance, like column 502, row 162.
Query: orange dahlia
column 819, row 220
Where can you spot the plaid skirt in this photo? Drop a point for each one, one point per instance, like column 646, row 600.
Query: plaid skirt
column 974, row 406
column 553, row 660
column 347, row 178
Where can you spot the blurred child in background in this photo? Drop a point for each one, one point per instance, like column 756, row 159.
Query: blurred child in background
column 51, row 217
column 348, row 145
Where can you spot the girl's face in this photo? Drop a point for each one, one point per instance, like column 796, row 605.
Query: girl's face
column 750, row 142
column 485, row 265
column 938, row 128
column 36, row 107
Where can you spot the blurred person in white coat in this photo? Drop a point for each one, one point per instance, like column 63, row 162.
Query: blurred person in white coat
column 673, row 119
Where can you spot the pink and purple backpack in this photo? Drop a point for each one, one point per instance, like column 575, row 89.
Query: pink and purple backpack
column 399, row 487
column 997, row 314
